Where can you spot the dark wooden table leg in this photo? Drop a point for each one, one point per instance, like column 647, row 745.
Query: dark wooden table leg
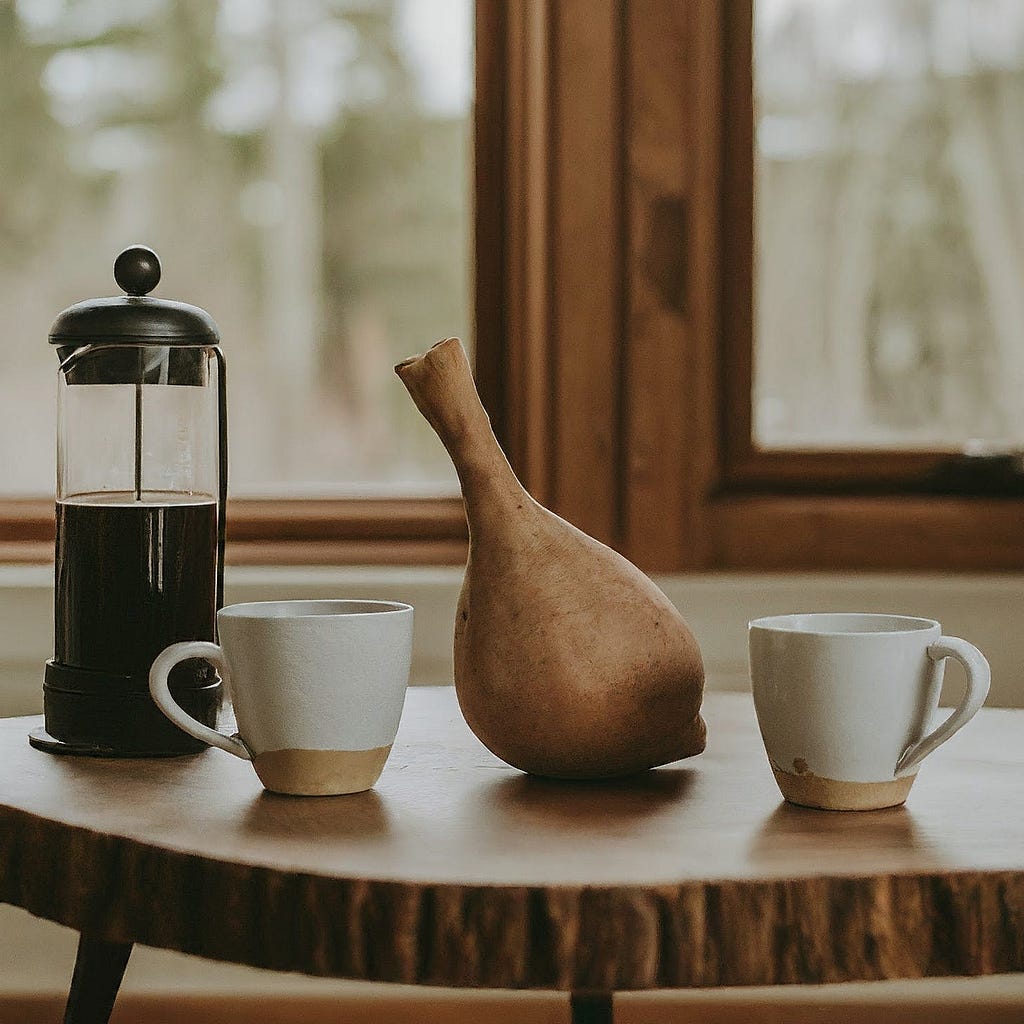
column 99, row 968
column 591, row 1007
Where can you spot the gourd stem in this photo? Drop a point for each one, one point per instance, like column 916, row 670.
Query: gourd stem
column 441, row 384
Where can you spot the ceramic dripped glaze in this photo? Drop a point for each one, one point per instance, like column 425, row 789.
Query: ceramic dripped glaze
column 317, row 686
column 844, row 702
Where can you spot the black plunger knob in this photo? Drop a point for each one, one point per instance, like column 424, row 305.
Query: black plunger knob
column 137, row 270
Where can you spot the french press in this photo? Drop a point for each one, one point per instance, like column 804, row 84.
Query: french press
column 141, row 490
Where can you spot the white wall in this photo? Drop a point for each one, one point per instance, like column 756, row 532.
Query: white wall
column 987, row 610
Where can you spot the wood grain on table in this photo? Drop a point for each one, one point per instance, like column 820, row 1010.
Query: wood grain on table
column 457, row 870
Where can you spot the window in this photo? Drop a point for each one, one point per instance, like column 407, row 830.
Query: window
column 889, row 158
column 629, row 319
column 614, row 218
column 304, row 170
column 893, row 484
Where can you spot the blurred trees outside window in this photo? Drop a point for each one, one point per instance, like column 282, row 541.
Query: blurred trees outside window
column 889, row 223
column 303, row 168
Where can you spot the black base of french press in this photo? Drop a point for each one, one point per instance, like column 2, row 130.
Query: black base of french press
column 94, row 714
column 42, row 740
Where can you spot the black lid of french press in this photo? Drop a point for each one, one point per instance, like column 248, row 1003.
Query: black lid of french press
column 135, row 318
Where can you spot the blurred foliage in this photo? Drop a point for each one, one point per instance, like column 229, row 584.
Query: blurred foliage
column 109, row 112
column 32, row 161
column 889, row 223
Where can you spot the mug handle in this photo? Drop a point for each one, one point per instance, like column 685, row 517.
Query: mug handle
column 161, row 693
column 978, row 679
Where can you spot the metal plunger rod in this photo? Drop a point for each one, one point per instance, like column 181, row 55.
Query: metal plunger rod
column 138, row 441
column 222, row 470
column 138, row 425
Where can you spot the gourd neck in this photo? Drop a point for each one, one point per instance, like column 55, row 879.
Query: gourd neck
column 441, row 384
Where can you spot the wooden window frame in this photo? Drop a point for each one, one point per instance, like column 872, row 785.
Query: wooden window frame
column 627, row 366
column 792, row 509
column 614, row 297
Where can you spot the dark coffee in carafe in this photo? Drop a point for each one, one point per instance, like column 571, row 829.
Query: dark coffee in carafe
column 132, row 578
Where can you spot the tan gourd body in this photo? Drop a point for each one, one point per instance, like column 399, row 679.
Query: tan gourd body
column 569, row 661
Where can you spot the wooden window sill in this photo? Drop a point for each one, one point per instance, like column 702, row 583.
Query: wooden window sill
column 795, row 532
column 409, row 531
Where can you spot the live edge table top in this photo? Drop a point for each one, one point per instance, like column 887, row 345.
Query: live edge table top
column 458, row 870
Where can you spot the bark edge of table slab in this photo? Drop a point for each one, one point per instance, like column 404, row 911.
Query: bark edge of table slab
column 691, row 934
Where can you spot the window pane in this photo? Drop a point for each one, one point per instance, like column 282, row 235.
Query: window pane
column 889, row 223
column 303, row 168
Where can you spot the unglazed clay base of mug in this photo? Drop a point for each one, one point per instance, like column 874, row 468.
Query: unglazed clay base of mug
column 320, row 772
column 810, row 790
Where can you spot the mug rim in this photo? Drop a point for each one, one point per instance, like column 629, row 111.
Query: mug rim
column 803, row 624
column 315, row 608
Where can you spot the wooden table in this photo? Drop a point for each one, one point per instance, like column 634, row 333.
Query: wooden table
column 459, row 871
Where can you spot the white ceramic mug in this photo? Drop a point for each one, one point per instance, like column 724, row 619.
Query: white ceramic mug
column 844, row 703
column 317, row 687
